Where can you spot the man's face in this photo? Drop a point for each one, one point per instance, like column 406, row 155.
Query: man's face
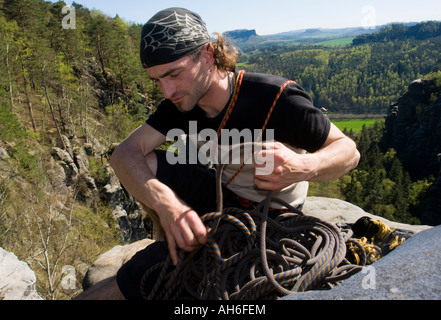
column 184, row 81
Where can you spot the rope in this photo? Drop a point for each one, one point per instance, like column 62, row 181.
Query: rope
column 251, row 256
column 233, row 101
column 365, row 251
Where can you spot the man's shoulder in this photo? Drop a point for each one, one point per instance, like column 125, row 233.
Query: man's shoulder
column 264, row 79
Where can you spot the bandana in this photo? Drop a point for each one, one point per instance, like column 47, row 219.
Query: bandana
column 172, row 34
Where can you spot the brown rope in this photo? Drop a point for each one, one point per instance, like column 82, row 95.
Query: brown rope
column 250, row 256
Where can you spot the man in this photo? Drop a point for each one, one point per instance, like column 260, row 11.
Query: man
column 200, row 85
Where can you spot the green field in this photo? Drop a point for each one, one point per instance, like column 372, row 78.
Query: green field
column 354, row 124
column 336, row 42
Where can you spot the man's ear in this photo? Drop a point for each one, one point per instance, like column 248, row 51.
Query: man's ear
column 208, row 53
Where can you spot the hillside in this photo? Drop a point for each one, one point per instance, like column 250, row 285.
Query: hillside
column 248, row 40
column 66, row 96
column 359, row 79
column 394, row 32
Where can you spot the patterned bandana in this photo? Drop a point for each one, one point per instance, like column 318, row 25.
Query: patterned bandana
column 172, row 34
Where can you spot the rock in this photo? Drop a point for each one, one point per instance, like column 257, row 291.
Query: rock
column 57, row 175
column 64, row 159
column 410, row 272
column 17, row 280
column 3, row 154
column 109, row 263
column 413, row 129
column 94, row 148
column 335, row 210
column 81, row 160
column 432, row 215
column 125, row 210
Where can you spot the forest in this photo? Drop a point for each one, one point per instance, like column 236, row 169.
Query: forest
column 76, row 73
column 358, row 79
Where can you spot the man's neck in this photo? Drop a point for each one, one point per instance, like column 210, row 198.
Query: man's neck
column 218, row 95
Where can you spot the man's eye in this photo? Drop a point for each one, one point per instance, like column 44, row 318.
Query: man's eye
column 175, row 75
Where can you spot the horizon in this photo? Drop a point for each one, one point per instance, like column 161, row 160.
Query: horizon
column 286, row 17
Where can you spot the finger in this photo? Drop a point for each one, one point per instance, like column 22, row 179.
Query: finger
column 265, row 159
column 184, row 230
column 180, row 234
column 200, row 232
column 266, row 185
column 198, row 228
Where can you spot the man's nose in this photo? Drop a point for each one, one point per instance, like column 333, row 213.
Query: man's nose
column 168, row 88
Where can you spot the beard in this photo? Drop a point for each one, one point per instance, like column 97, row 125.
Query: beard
column 199, row 88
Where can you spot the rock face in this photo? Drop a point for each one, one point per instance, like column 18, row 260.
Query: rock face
column 331, row 210
column 69, row 169
column 413, row 129
column 17, row 280
column 410, row 272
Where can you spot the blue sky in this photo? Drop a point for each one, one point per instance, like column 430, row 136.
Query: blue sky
column 269, row 17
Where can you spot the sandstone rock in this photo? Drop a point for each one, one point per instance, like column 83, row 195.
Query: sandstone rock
column 64, row 159
column 17, row 280
column 81, row 160
column 410, row 272
column 335, row 210
column 413, row 129
column 109, row 263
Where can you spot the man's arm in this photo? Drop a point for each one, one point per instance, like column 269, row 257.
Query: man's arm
column 337, row 157
column 134, row 163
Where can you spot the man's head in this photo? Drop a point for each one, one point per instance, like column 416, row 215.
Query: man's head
column 174, row 33
column 170, row 35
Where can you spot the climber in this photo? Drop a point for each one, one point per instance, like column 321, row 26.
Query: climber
column 201, row 84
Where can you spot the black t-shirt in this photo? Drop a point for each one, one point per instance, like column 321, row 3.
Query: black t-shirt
column 295, row 120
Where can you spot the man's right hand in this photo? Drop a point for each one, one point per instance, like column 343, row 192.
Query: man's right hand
column 183, row 228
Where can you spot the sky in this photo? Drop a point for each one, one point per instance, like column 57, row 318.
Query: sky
column 270, row 17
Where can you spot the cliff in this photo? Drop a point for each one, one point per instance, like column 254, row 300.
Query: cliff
column 413, row 129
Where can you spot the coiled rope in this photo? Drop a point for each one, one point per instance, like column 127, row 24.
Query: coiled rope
column 250, row 256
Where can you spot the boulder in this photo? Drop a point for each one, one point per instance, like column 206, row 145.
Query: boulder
column 108, row 264
column 410, row 272
column 339, row 211
column 17, row 280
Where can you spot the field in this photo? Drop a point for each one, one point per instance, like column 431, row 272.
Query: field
column 336, row 42
column 354, row 124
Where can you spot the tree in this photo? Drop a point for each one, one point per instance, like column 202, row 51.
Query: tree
column 8, row 30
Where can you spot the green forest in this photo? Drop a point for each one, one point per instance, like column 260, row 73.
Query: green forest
column 360, row 78
column 76, row 74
